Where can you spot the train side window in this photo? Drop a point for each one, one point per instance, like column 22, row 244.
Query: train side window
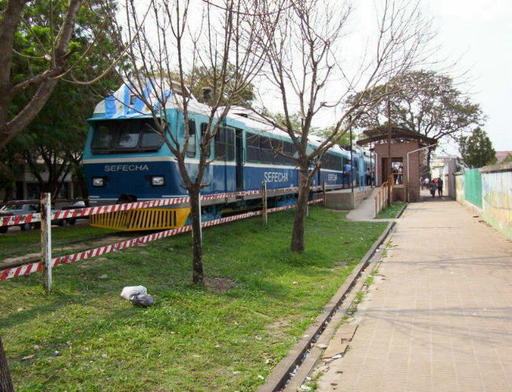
column 266, row 155
column 225, row 144
column 191, row 147
column 220, row 146
column 332, row 162
column 204, row 127
column 277, row 148
column 252, row 143
column 230, row 144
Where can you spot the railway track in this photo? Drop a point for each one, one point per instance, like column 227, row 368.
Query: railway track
column 31, row 252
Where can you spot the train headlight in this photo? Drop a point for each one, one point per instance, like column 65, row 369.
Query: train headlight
column 157, row 181
column 98, row 181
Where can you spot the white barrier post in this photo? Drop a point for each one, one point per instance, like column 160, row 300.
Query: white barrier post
column 265, row 205
column 46, row 240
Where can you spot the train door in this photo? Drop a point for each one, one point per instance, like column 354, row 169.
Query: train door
column 225, row 152
column 239, row 157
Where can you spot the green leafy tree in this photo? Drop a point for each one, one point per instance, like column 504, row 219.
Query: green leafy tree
column 508, row 158
column 423, row 101
column 53, row 141
column 476, row 149
column 342, row 140
column 45, row 42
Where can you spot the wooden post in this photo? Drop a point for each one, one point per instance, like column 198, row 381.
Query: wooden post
column 200, row 220
column 46, row 240
column 307, row 202
column 5, row 375
column 265, row 205
column 323, row 193
column 390, row 163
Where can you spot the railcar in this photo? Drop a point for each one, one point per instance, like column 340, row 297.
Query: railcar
column 124, row 160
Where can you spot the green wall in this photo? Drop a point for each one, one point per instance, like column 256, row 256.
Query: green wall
column 473, row 186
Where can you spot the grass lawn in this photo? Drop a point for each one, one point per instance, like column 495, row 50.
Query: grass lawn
column 227, row 337
column 391, row 212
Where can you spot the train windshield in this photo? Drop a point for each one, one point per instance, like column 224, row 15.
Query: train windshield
column 121, row 136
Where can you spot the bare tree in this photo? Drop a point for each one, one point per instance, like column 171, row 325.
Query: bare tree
column 52, row 57
column 172, row 45
column 310, row 51
column 5, row 375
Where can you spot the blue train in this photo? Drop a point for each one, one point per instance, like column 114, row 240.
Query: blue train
column 124, row 160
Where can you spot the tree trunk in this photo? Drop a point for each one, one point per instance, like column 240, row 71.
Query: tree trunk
column 84, row 191
column 297, row 244
column 429, row 158
column 5, row 376
column 197, row 250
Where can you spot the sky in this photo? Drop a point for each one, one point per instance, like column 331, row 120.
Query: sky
column 474, row 38
column 477, row 34
column 474, row 47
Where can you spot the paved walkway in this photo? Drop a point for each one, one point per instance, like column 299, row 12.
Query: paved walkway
column 365, row 211
column 439, row 317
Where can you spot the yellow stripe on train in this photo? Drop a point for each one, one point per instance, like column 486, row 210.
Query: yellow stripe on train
column 142, row 219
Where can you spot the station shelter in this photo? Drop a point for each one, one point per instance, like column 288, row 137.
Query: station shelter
column 400, row 167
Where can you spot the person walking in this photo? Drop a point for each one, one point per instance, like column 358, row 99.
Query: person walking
column 433, row 188
column 440, row 187
column 400, row 175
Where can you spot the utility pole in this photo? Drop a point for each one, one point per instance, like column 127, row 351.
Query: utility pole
column 390, row 163
column 351, row 157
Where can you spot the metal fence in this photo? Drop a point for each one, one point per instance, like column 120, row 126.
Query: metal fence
column 473, row 186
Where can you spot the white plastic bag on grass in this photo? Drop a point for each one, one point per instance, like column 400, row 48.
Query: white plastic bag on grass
column 132, row 291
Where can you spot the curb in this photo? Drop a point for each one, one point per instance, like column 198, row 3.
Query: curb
column 282, row 372
column 401, row 211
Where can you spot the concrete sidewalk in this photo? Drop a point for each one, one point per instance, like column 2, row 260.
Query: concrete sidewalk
column 439, row 316
column 365, row 210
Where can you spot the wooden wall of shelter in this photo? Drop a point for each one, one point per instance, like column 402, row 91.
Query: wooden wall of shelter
column 410, row 175
column 403, row 141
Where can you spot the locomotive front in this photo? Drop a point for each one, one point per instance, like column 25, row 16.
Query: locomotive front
column 125, row 160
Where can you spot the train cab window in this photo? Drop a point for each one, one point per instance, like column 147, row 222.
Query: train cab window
column 150, row 138
column 102, row 138
column 120, row 136
column 204, row 126
column 128, row 138
column 191, row 147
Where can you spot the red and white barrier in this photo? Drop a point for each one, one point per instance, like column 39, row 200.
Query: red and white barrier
column 87, row 211
column 19, row 219
column 28, row 269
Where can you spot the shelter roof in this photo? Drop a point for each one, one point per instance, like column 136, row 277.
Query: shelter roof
column 397, row 134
